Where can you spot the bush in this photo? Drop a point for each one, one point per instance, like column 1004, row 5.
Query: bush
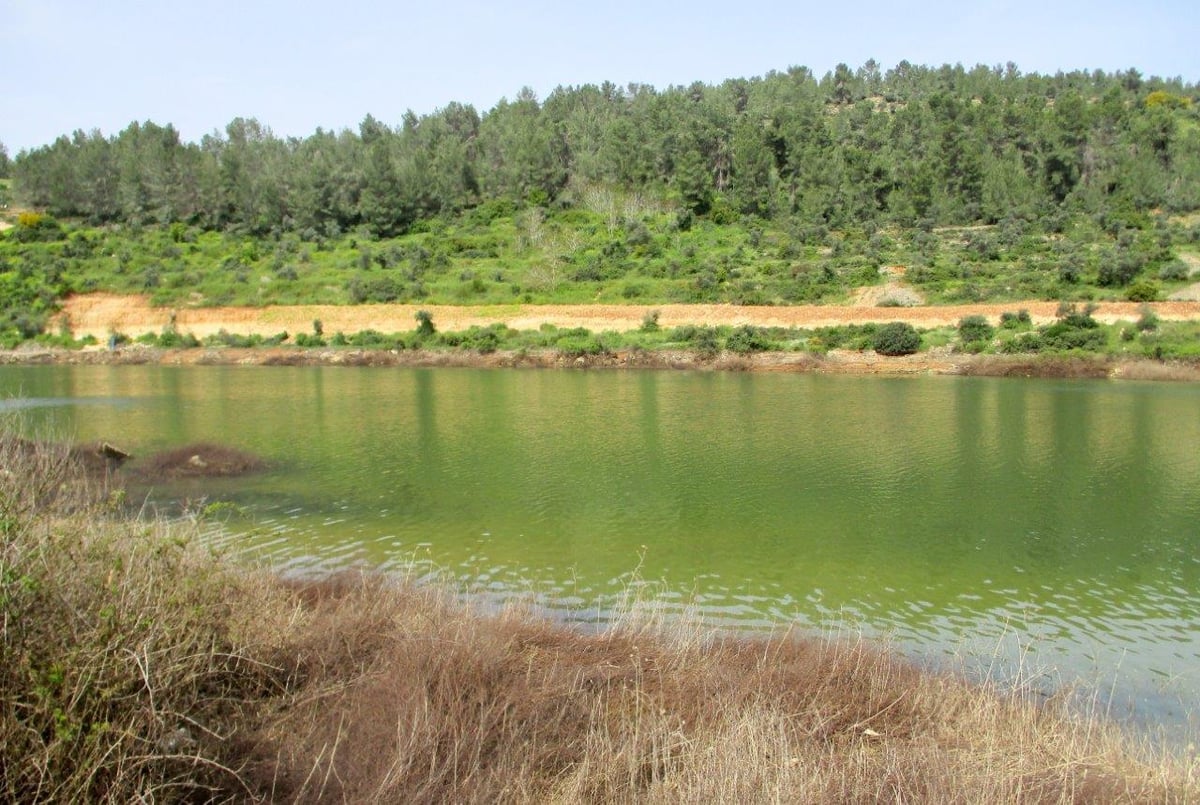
column 1075, row 329
column 372, row 339
column 1142, row 292
column 896, row 338
column 972, row 329
column 425, row 326
column 746, row 339
column 124, row 664
column 306, row 340
column 173, row 339
column 37, row 227
column 224, row 338
column 1174, row 270
column 1015, row 321
column 1087, row 340
column 484, row 339
column 364, row 289
column 578, row 342
column 1026, row 342
column 699, row 337
column 1120, row 270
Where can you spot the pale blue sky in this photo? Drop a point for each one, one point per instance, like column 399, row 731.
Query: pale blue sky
column 71, row 64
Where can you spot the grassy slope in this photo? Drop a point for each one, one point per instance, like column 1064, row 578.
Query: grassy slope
column 617, row 251
column 136, row 665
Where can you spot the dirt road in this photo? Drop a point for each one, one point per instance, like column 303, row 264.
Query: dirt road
column 100, row 314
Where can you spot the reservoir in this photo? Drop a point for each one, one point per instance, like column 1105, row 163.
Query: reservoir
column 1042, row 530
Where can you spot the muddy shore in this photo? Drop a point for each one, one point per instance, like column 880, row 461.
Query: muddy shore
column 841, row 362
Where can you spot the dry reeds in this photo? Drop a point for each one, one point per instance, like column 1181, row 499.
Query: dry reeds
column 136, row 666
column 122, row 669
column 1076, row 367
column 1182, row 371
column 442, row 704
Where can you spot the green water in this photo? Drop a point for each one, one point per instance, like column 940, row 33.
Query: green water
column 1052, row 524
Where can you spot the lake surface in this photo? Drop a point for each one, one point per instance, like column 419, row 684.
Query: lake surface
column 1046, row 529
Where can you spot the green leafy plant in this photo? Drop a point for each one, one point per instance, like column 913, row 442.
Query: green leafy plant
column 896, row 338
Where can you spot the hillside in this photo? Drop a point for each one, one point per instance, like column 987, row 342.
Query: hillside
column 868, row 188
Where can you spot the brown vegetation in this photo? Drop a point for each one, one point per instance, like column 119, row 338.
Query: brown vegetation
column 82, row 464
column 1061, row 367
column 200, row 460
column 135, row 666
column 934, row 362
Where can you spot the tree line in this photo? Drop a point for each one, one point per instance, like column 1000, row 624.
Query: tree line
column 910, row 146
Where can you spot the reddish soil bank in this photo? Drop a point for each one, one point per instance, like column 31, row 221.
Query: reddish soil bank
column 99, row 314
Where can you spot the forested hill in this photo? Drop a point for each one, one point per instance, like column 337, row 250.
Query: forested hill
column 909, row 146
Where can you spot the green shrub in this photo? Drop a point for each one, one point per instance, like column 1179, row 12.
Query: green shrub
column 1143, row 291
column 226, row 339
column 425, row 326
column 746, row 339
column 896, row 338
column 1087, row 340
column 1120, row 270
column 1026, row 342
column 372, row 339
column 578, row 342
column 35, row 227
column 1075, row 329
column 704, row 340
column 1015, row 321
column 173, row 339
column 1148, row 321
column 972, row 329
column 484, row 339
column 1174, row 270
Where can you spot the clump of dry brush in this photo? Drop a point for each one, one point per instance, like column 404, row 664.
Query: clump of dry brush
column 134, row 665
column 127, row 655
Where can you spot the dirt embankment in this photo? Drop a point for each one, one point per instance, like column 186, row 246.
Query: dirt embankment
column 941, row 361
column 100, row 314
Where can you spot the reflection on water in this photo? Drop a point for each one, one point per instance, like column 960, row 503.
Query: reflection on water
column 13, row 404
column 1049, row 522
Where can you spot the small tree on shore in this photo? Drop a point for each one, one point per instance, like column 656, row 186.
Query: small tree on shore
column 425, row 326
column 972, row 329
column 896, row 338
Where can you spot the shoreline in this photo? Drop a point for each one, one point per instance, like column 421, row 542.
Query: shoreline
column 835, row 362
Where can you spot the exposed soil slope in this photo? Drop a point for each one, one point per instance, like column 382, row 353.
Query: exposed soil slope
column 99, row 314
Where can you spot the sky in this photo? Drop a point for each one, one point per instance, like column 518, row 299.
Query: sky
column 297, row 66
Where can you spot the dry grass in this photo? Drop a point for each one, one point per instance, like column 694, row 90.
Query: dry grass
column 137, row 667
column 126, row 656
column 453, row 706
column 1068, row 367
column 1158, row 370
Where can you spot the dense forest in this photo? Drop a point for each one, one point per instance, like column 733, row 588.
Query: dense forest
column 908, row 146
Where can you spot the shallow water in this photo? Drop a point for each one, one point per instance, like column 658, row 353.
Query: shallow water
column 1050, row 529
